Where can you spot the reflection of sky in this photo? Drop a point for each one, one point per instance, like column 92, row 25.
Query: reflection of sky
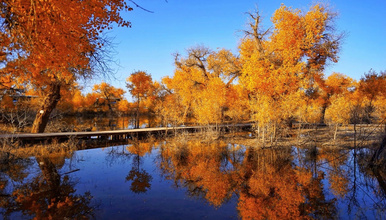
column 103, row 173
column 178, row 25
column 164, row 200
column 104, row 177
column 362, row 200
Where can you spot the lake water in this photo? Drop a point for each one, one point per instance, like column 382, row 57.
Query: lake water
column 193, row 180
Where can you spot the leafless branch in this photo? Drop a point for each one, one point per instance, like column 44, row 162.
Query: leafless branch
column 138, row 6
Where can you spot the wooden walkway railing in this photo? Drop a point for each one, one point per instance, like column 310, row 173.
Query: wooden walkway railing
column 114, row 134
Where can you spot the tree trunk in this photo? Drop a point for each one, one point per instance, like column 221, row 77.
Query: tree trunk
column 137, row 116
column 185, row 114
column 49, row 104
column 264, row 135
column 50, row 173
column 336, row 131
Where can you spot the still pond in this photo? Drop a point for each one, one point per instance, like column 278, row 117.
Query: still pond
column 193, row 180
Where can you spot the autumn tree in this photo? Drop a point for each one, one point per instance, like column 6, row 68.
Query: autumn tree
column 340, row 111
column 72, row 100
column 50, row 44
column 285, row 60
column 338, row 83
column 372, row 87
column 168, row 105
column 141, row 87
column 335, row 84
column 236, row 109
column 123, row 106
column 107, row 95
column 201, row 79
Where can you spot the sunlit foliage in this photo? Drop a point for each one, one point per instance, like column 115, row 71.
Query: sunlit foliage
column 142, row 88
column 168, row 106
column 50, row 44
column 372, row 87
column 339, row 112
column 281, row 64
column 107, row 95
column 202, row 80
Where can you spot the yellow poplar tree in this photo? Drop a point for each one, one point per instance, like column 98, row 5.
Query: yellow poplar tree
column 280, row 62
column 202, row 79
column 339, row 112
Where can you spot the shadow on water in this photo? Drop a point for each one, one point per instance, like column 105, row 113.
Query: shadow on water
column 195, row 180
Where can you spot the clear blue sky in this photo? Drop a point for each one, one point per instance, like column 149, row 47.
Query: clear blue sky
column 179, row 24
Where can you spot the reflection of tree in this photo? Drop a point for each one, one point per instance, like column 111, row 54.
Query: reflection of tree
column 351, row 179
column 203, row 169
column 48, row 196
column 277, row 190
column 139, row 177
column 338, row 174
column 267, row 183
column 11, row 170
column 141, row 180
column 14, row 168
column 373, row 182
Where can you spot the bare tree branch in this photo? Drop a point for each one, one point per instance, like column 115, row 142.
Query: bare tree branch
column 138, row 6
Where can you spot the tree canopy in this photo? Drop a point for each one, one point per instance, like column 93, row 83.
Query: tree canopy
column 47, row 45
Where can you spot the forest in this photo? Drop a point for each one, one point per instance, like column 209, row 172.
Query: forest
column 275, row 79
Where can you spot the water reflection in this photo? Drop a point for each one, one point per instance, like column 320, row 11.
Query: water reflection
column 194, row 180
column 47, row 195
column 267, row 183
column 139, row 178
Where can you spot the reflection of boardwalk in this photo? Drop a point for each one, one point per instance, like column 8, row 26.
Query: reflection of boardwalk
column 113, row 135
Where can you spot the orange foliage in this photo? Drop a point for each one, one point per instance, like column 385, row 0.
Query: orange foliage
column 52, row 197
column 339, row 112
column 142, row 88
column 140, row 149
column 48, row 45
column 279, row 69
column 372, row 87
column 55, row 44
column 267, row 184
column 202, row 80
column 200, row 166
column 107, row 95
column 236, row 103
column 274, row 195
column 339, row 183
column 6, row 102
column 338, row 176
column 72, row 100
column 338, row 83
column 169, row 108
column 123, row 106
column 140, row 85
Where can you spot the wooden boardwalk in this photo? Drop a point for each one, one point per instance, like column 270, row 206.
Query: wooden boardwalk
column 113, row 134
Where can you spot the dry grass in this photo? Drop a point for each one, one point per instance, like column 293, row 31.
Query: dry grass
column 55, row 148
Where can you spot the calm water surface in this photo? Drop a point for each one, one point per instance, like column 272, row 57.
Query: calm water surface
column 192, row 180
